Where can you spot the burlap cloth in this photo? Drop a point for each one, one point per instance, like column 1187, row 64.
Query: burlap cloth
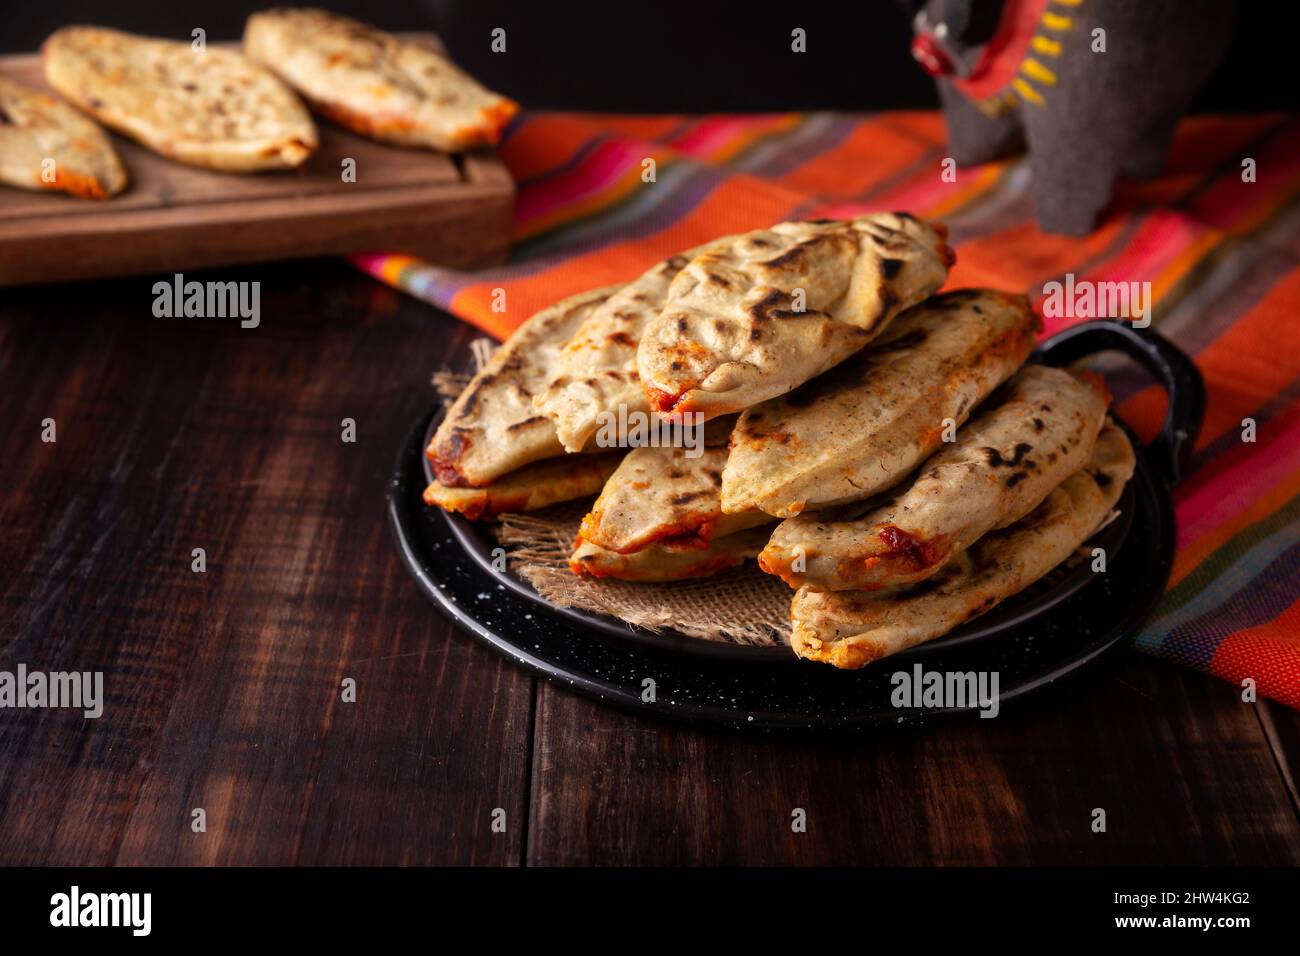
column 741, row 606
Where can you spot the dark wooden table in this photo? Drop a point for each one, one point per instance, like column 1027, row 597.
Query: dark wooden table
column 223, row 688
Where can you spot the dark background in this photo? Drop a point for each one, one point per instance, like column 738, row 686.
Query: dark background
column 638, row 56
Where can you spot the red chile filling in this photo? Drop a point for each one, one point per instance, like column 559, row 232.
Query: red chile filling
column 447, row 474
column 907, row 548
column 661, row 401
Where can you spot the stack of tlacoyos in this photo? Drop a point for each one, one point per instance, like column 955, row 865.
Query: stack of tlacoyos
column 920, row 472
column 237, row 112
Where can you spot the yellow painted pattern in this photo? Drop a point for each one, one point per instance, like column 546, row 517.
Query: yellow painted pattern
column 1036, row 71
column 1045, row 46
column 1027, row 92
column 998, row 105
column 1032, row 69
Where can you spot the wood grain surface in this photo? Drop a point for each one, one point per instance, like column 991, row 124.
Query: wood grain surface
column 223, row 688
column 452, row 210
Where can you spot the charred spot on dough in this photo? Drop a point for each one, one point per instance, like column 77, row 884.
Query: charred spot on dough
column 956, row 299
column 755, row 333
column 766, row 309
column 995, row 459
column 1038, row 425
column 887, row 299
column 718, row 280
column 1102, row 479
column 682, row 324
column 714, row 475
column 527, row 422
column 472, row 396
column 675, row 473
column 981, row 608
column 795, row 255
column 458, row 443
column 891, row 267
column 908, row 340
column 886, row 245
column 686, row 497
column 820, row 222
column 1016, row 478
column 761, row 308
column 758, row 242
column 677, row 262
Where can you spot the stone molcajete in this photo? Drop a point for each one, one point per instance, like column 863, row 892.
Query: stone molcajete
column 1091, row 88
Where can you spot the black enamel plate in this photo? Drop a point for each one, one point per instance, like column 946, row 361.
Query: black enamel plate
column 1028, row 650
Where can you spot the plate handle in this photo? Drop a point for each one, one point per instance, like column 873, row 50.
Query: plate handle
column 1170, row 451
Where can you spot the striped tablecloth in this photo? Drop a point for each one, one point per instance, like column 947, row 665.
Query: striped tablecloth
column 1222, row 255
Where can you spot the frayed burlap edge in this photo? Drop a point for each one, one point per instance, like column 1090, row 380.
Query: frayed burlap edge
column 449, row 384
column 741, row 606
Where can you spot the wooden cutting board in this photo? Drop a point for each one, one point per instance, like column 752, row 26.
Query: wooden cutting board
column 452, row 210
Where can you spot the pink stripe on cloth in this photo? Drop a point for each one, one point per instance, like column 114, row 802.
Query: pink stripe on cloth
column 1230, row 493
column 1155, row 246
column 603, row 167
column 707, row 138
